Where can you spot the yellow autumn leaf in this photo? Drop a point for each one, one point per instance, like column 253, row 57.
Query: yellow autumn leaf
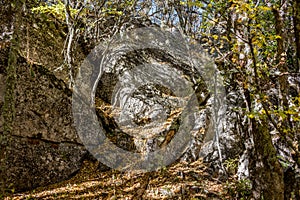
column 225, row 38
column 215, row 37
column 265, row 8
column 182, row 3
column 251, row 116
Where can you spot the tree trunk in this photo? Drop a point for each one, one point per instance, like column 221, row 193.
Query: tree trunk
column 296, row 16
column 281, row 58
column 266, row 171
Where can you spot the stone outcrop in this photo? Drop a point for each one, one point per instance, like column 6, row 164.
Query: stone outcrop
column 44, row 147
column 31, row 163
column 135, row 83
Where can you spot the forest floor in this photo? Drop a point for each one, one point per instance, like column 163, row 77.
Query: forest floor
column 179, row 181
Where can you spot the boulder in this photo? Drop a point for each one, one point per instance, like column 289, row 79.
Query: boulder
column 43, row 147
column 31, row 163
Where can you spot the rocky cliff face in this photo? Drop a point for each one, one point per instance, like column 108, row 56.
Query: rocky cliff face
column 44, row 147
column 144, row 95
